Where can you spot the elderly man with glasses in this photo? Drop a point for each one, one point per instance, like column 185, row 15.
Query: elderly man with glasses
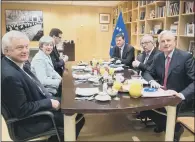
column 145, row 59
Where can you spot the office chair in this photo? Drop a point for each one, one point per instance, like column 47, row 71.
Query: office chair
column 11, row 130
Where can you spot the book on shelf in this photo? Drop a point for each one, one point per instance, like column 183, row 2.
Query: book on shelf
column 142, row 29
column 173, row 8
column 189, row 29
column 173, row 28
column 142, row 3
column 142, row 15
column 189, row 7
column 160, row 11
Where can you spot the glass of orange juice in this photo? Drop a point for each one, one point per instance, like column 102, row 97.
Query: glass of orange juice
column 102, row 71
column 111, row 71
column 100, row 61
column 117, row 85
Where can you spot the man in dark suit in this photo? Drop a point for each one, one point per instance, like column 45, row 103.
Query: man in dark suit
column 22, row 93
column 122, row 51
column 145, row 59
column 174, row 70
column 58, row 62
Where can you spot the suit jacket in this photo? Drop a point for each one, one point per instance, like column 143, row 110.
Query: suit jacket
column 42, row 67
column 142, row 67
column 181, row 71
column 127, row 56
column 57, row 62
column 23, row 98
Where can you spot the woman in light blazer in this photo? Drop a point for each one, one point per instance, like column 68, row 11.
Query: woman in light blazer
column 43, row 68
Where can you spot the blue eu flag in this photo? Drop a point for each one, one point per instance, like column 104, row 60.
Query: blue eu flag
column 119, row 28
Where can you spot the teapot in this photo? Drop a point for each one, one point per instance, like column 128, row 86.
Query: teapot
column 136, row 87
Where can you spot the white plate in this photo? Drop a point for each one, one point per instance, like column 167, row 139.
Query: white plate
column 86, row 91
column 78, row 67
column 103, row 97
column 93, row 79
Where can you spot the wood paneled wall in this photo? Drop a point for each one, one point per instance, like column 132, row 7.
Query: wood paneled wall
column 78, row 23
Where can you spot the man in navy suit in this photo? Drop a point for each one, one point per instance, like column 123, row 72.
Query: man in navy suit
column 174, row 70
column 122, row 51
column 21, row 91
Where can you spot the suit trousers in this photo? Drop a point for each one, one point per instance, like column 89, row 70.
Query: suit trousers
column 159, row 119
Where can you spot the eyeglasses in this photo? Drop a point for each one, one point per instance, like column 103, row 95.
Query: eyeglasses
column 145, row 43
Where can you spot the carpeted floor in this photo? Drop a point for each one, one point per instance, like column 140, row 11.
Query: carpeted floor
column 120, row 127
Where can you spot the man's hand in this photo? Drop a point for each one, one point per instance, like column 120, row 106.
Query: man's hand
column 55, row 104
column 154, row 84
column 111, row 60
column 135, row 63
column 65, row 58
column 174, row 93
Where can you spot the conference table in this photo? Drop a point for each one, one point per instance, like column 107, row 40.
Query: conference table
column 70, row 107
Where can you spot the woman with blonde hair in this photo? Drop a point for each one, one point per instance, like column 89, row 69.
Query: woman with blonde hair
column 43, row 68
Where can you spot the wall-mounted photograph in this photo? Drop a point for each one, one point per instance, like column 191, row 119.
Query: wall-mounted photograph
column 28, row 22
column 104, row 18
column 104, row 28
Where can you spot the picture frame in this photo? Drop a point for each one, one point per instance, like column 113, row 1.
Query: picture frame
column 192, row 48
column 190, row 29
column 104, row 18
column 104, row 27
column 29, row 22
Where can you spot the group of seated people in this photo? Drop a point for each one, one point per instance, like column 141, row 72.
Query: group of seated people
column 165, row 67
column 28, row 88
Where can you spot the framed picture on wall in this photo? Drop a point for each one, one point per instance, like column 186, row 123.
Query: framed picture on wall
column 104, row 18
column 26, row 21
column 104, row 27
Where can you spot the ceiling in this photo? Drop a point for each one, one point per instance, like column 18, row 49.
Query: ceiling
column 84, row 3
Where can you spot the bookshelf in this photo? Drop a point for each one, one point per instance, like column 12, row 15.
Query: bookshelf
column 146, row 17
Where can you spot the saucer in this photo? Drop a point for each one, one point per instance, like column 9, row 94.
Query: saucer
column 103, row 97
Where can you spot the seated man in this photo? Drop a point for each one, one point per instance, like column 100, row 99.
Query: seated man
column 146, row 58
column 58, row 62
column 22, row 93
column 42, row 66
column 122, row 51
column 174, row 69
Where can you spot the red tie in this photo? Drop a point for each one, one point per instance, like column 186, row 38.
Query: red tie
column 166, row 72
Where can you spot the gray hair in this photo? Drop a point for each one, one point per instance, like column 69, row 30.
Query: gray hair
column 149, row 36
column 165, row 32
column 45, row 39
column 8, row 37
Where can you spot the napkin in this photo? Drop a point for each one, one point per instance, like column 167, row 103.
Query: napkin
column 87, row 91
column 82, row 76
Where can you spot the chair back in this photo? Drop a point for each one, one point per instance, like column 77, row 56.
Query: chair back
column 7, row 115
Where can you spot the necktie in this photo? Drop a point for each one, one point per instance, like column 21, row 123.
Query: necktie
column 38, row 84
column 166, row 72
column 147, row 56
column 121, row 54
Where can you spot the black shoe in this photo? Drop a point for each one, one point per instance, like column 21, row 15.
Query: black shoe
column 158, row 130
column 178, row 134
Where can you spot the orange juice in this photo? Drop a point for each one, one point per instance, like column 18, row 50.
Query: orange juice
column 117, row 85
column 111, row 71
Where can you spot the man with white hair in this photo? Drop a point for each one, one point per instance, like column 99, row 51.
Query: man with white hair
column 174, row 70
column 22, row 93
column 145, row 59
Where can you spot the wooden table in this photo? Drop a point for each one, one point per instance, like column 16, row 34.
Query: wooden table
column 70, row 106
